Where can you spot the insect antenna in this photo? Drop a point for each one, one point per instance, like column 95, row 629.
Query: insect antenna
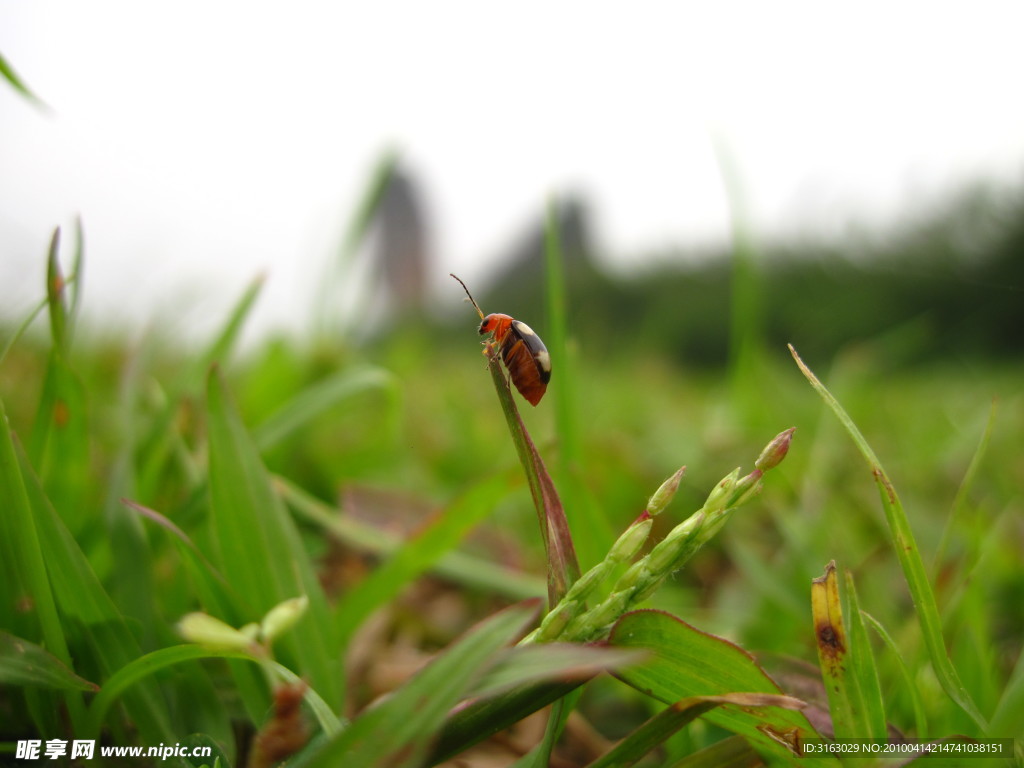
column 471, row 299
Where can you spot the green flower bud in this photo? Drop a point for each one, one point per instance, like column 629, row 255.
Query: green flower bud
column 721, row 493
column 629, row 543
column 775, row 451
column 204, row 629
column 663, row 496
column 283, row 617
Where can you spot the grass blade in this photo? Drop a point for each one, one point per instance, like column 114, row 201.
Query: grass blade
column 851, row 681
column 865, row 671
column 563, row 568
column 26, row 579
column 259, row 549
column 960, row 502
column 24, row 663
column 8, row 74
column 667, row 722
column 222, row 344
column 308, row 404
column 55, row 294
column 1010, row 709
column 732, row 752
column 458, row 566
column 416, row 556
column 101, row 632
column 920, row 722
column 398, row 731
column 148, row 665
column 593, row 531
column 684, row 661
column 909, row 557
column 340, row 270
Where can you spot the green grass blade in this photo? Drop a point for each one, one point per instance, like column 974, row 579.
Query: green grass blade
column 8, row 74
column 744, row 305
column 258, row 546
column 920, row 721
column 22, row 327
column 326, row 314
column 417, row 555
column 540, row 756
column 310, row 403
column 563, row 567
column 1009, row 711
column 214, row 594
column 55, row 294
column 76, row 280
column 851, row 682
column 909, row 557
column 147, row 666
column 86, row 608
column 224, row 342
column 593, row 532
column 732, row 752
column 865, row 670
column 659, row 728
column 960, row 502
column 399, row 730
column 30, row 607
column 162, row 438
column 457, row 566
column 683, row 661
column 59, row 442
column 534, row 664
column 22, row 662
column 484, row 717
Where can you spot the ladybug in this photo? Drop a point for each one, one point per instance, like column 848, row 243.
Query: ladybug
column 524, row 354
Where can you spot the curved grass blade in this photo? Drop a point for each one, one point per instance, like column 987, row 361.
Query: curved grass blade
column 458, row 566
column 22, row 327
column 731, row 752
column 533, row 664
column 909, row 557
column 55, row 294
column 920, row 721
column 86, row 607
column 865, row 671
column 400, row 729
column 416, row 556
column 659, row 728
column 311, row 402
column 960, row 501
column 483, row 717
column 339, row 270
column 26, row 664
column 851, row 681
column 684, row 662
column 8, row 74
column 29, row 604
column 258, row 546
column 146, row 666
column 594, row 532
column 563, row 568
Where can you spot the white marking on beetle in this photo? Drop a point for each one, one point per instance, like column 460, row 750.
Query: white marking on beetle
column 524, row 328
column 544, row 360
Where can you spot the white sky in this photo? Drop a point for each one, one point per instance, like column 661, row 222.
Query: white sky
column 205, row 142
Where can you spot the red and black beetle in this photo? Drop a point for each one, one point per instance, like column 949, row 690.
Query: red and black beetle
column 524, row 354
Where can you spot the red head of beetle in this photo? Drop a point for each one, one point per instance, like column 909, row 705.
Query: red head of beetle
column 524, row 354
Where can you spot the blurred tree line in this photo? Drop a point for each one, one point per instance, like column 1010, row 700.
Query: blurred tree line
column 947, row 285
